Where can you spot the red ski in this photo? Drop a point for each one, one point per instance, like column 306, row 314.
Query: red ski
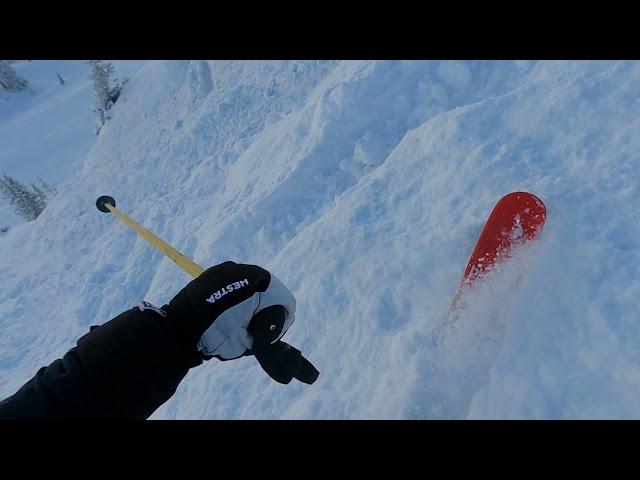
column 516, row 219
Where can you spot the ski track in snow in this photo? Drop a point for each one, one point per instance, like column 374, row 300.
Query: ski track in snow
column 363, row 186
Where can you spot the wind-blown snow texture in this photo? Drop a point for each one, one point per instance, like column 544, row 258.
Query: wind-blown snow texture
column 363, row 185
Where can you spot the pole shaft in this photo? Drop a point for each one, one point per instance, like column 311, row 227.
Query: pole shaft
column 183, row 262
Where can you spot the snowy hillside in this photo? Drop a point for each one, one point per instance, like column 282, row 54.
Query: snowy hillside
column 363, row 186
column 46, row 132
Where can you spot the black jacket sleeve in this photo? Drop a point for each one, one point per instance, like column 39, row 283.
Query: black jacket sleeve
column 124, row 369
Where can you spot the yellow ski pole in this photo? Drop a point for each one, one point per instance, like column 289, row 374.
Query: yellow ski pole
column 107, row 204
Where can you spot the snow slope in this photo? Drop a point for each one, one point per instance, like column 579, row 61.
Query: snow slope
column 46, row 132
column 363, row 185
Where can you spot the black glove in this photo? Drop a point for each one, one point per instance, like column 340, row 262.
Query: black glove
column 233, row 310
column 219, row 288
column 280, row 360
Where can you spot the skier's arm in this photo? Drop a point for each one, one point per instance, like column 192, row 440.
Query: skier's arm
column 132, row 364
column 115, row 371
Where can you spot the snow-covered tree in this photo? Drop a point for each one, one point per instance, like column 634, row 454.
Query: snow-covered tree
column 42, row 194
column 9, row 79
column 28, row 203
column 105, row 89
column 24, row 202
column 48, row 189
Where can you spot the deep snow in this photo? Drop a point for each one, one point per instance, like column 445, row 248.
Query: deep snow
column 363, row 185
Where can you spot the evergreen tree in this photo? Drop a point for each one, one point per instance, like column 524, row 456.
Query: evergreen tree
column 105, row 89
column 9, row 79
column 28, row 203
